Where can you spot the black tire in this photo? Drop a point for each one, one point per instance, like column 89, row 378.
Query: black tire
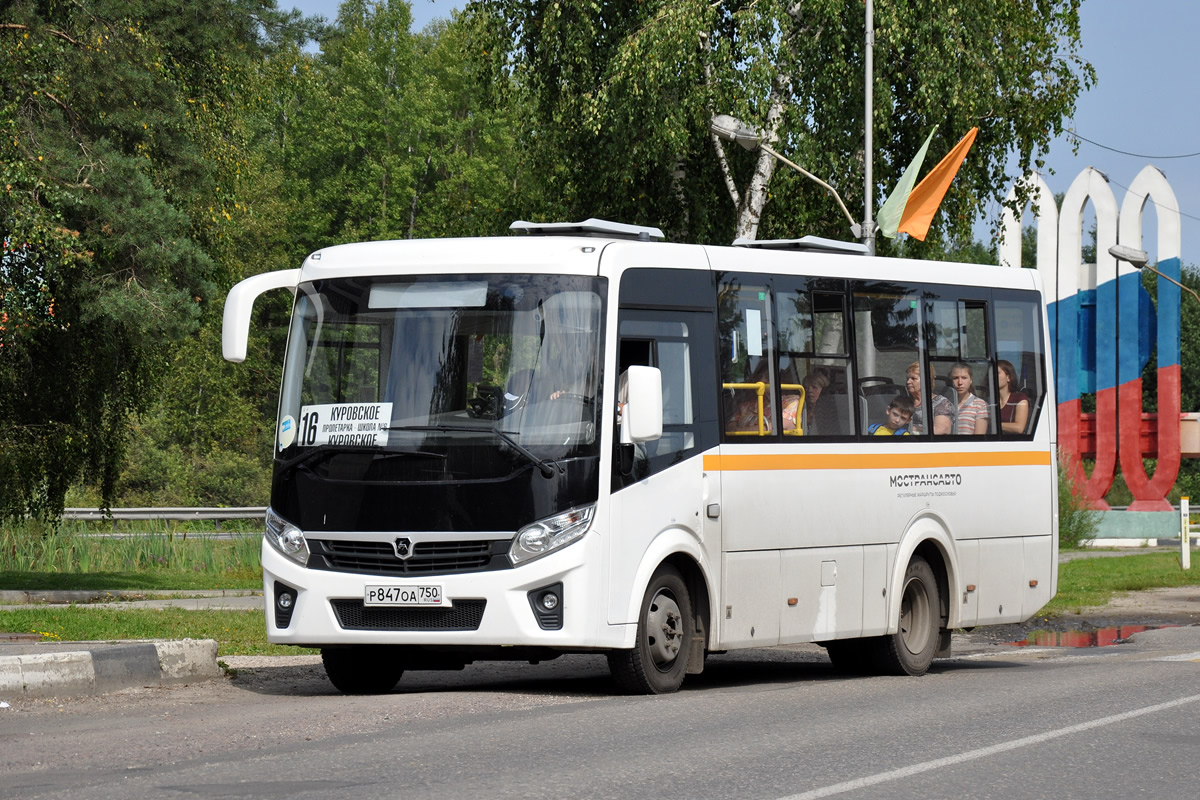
column 362, row 669
column 910, row 650
column 658, row 661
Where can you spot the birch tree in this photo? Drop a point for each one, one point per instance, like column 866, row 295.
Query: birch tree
column 623, row 91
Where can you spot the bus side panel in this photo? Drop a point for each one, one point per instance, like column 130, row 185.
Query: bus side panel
column 877, row 559
column 1002, row 563
column 827, row 587
column 750, row 616
column 674, row 499
column 968, row 601
column 1040, row 569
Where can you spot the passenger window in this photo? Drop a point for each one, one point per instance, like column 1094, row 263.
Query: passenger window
column 813, row 365
column 886, row 324
column 1018, row 326
column 748, row 373
column 958, row 348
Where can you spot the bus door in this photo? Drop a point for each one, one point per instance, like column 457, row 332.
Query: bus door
column 660, row 486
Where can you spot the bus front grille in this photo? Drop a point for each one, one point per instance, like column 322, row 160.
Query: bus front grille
column 353, row 615
column 379, row 558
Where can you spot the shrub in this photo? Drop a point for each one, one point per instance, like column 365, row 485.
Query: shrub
column 1077, row 522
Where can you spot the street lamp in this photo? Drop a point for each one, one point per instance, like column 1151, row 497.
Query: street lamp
column 1137, row 259
column 732, row 129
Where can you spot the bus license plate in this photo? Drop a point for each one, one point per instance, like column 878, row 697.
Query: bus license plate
column 403, row 596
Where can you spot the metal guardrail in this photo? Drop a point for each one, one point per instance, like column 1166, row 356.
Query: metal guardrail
column 216, row 515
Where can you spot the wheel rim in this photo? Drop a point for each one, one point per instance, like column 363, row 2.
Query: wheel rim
column 915, row 616
column 664, row 629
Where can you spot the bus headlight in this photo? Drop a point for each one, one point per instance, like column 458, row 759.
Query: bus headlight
column 286, row 538
column 550, row 534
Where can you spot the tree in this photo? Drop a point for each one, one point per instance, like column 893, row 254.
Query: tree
column 123, row 161
column 622, row 93
column 384, row 134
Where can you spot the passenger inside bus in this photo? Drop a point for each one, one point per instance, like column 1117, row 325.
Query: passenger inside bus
column 1014, row 405
column 814, row 384
column 971, row 416
column 898, row 415
column 742, row 398
column 943, row 409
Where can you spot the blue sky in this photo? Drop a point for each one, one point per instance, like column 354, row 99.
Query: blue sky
column 1145, row 101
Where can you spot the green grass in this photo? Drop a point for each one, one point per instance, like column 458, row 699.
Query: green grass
column 236, row 632
column 30, row 549
column 1088, row 582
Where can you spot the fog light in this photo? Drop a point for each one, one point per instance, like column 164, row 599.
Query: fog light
column 285, row 604
column 547, row 605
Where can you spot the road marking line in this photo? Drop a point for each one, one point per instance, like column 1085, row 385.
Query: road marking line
column 971, row 755
column 1181, row 657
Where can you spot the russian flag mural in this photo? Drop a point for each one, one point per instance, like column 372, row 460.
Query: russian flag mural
column 1136, row 314
column 1103, row 328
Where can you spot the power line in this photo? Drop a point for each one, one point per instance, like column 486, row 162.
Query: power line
column 1126, row 152
column 1156, row 203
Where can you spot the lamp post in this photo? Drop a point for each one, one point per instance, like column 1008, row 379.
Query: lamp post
column 1137, row 259
column 732, row 129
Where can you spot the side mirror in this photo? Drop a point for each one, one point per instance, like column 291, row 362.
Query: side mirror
column 235, row 332
column 642, row 415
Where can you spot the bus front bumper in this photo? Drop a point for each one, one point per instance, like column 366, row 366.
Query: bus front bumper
column 484, row 609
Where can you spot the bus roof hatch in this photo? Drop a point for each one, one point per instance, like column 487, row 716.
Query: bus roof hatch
column 590, row 227
column 808, row 243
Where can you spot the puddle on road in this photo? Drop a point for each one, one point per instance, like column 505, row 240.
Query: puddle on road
column 1096, row 637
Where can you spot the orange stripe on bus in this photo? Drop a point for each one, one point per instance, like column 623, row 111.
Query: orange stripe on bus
column 775, row 461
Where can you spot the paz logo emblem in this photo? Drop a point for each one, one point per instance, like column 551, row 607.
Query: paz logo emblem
column 403, row 547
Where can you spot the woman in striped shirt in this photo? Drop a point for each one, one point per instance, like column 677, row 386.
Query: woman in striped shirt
column 972, row 414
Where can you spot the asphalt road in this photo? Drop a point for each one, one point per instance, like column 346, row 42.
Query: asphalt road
column 994, row 722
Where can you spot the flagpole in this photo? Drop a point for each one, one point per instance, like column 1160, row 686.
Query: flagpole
column 868, row 229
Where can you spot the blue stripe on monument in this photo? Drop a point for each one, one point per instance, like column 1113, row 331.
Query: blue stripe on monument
column 1129, row 361
column 1169, row 297
column 1106, row 336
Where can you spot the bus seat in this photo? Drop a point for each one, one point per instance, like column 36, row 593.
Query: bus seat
column 832, row 415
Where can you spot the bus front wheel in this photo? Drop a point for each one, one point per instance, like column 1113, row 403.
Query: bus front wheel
column 362, row 669
column 910, row 650
column 658, row 660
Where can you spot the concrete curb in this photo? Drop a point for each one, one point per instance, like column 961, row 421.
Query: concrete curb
column 10, row 597
column 85, row 668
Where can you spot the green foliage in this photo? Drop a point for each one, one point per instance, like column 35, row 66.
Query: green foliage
column 1077, row 523
column 124, row 151
column 622, row 93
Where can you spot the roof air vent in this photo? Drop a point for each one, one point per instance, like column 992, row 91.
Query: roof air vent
column 598, row 228
column 811, row 244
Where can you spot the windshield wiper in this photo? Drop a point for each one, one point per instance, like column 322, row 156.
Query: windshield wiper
column 545, row 465
column 330, row 450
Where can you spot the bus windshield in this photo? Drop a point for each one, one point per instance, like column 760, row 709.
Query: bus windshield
column 431, row 365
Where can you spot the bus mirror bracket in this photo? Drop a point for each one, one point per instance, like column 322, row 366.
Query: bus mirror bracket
column 235, row 325
column 641, row 405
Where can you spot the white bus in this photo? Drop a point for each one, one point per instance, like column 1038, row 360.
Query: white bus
column 584, row 439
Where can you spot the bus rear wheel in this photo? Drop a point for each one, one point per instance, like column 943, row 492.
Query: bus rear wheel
column 910, row 650
column 658, row 661
column 362, row 669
